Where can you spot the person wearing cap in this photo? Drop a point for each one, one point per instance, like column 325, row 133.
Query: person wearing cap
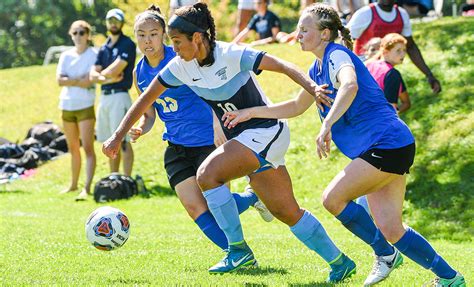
column 113, row 70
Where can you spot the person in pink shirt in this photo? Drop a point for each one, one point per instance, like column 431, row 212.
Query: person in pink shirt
column 381, row 67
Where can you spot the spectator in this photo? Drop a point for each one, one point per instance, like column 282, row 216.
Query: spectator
column 388, row 18
column 347, row 8
column 416, row 8
column 113, row 69
column 77, row 103
column 381, row 67
column 467, row 9
column 244, row 14
column 265, row 23
column 371, row 48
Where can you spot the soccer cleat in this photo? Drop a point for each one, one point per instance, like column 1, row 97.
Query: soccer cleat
column 457, row 281
column 260, row 207
column 342, row 271
column 238, row 256
column 383, row 265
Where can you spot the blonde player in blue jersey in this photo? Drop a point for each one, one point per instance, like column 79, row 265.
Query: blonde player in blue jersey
column 365, row 127
column 223, row 75
column 189, row 128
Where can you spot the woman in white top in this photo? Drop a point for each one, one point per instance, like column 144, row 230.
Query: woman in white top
column 77, row 103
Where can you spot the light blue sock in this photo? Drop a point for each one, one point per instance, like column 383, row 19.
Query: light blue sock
column 244, row 200
column 223, row 208
column 309, row 231
column 418, row 249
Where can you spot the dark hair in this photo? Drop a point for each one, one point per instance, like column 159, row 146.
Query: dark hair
column 199, row 15
column 153, row 12
column 326, row 17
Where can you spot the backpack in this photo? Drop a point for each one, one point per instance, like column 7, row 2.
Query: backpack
column 113, row 187
column 44, row 132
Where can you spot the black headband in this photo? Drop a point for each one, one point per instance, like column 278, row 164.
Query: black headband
column 177, row 22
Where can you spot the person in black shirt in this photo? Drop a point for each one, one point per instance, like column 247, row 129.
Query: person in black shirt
column 265, row 23
column 113, row 69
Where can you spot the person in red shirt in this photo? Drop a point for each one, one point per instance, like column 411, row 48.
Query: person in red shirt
column 384, row 17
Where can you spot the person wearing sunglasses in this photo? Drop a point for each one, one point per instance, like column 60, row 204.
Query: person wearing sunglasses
column 113, row 70
column 76, row 102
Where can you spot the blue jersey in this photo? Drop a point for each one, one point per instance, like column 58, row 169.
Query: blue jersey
column 228, row 84
column 187, row 118
column 370, row 121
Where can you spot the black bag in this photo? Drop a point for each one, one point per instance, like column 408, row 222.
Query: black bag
column 113, row 187
column 45, row 132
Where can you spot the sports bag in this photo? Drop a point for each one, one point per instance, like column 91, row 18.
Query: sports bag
column 113, row 187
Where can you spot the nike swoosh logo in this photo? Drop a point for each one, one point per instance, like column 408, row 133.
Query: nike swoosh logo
column 256, row 141
column 141, row 82
column 237, row 263
column 194, row 80
column 374, row 155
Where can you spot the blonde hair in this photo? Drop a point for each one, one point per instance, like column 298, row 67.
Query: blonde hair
column 326, row 17
column 387, row 43
column 80, row 24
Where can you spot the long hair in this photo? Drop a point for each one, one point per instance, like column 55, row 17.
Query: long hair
column 388, row 42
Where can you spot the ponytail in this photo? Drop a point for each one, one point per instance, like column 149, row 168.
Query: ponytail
column 201, row 21
column 153, row 12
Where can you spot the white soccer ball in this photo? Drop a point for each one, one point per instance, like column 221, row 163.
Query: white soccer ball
column 107, row 228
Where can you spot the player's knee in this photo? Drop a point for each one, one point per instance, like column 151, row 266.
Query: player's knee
column 391, row 231
column 289, row 216
column 330, row 202
column 205, row 179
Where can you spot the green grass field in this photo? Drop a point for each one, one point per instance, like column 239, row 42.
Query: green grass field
column 42, row 233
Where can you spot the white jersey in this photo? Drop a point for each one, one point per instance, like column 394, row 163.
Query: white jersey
column 361, row 20
column 226, row 85
column 74, row 66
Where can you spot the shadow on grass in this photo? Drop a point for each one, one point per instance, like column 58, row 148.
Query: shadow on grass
column 157, row 190
column 311, row 284
column 261, row 271
column 121, row 281
column 5, row 190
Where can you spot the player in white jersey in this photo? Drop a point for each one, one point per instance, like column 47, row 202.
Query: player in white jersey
column 223, row 75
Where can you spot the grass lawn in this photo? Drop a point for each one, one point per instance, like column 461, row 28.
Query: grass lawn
column 42, row 233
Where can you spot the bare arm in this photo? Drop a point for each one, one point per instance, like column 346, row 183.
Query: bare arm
column 96, row 76
column 417, row 59
column 406, row 103
column 344, row 98
column 288, row 109
column 219, row 136
column 115, row 69
column 268, row 40
column 112, row 145
column 241, row 36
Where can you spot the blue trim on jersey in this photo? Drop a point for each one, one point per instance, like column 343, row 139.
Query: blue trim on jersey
column 187, row 118
column 370, row 121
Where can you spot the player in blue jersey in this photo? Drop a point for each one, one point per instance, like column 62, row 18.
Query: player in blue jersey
column 223, row 75
column 364, row 127
column 189, row 128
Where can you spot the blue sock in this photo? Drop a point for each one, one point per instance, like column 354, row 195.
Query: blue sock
column 309, row 231
column 415, row 247
column 244, row 200
column 357, row 220
column 223, row 208
column 362, row 201
column 209, row 227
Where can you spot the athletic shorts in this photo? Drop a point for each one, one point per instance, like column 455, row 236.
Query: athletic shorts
column 397, row 160
column 112, row 109
column 79, row 115
column 183, row 162
column 269, row 143
column 246, row 5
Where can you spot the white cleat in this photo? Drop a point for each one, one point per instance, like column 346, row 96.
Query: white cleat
column 383, row 265
column 261, row 208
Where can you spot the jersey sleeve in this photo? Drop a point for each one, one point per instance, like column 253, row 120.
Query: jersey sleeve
column 406, row 31
column 393, row 86
column 128, row 53
column 100, row 55
column 252, row 25
column 61, row 68
column 275, row 22
column 251, row 59
column 359, row 22
column 169, row 75
column 336, row 61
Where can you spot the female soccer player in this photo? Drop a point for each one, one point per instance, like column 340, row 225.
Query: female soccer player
column 189, row 128
column 77, row 103
column 222, row 74
column 365, row 128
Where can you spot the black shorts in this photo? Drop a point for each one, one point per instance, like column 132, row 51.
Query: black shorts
column 183, row 162
column 397, row 160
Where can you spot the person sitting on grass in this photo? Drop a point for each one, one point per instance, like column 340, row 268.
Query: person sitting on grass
column 265, row 23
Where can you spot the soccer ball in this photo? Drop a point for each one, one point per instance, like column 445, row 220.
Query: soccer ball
column 107, row 228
